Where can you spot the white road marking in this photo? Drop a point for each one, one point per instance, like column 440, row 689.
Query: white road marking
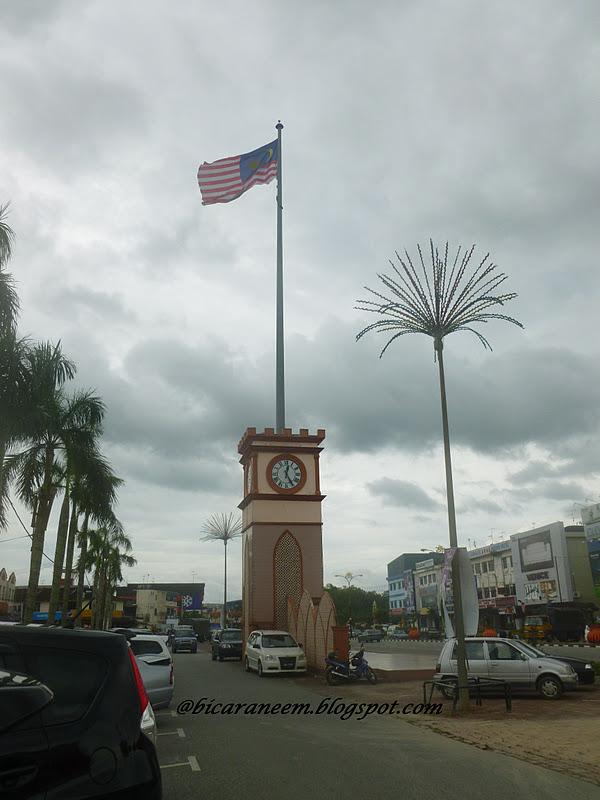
column 180, row 732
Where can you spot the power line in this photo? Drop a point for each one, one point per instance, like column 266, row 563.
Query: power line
column 25, row 529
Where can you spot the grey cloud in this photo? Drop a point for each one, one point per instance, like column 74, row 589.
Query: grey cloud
column 402, row 494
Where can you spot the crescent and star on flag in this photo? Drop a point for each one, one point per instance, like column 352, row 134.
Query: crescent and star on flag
column 264, row 159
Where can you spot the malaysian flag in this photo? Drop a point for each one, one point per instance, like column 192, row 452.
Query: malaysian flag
column 227, row 179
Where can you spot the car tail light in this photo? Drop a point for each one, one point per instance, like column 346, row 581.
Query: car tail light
column 147, row 721
column 139, row 682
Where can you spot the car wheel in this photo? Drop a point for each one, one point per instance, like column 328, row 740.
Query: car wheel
column 331, row 678
column 371, row 677
column 447, row 688
column 221, row 657
column 261, row 674
column 549, row 687
column 247, row 665
column 214, row 656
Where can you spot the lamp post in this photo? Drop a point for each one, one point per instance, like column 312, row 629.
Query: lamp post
column 349, row 577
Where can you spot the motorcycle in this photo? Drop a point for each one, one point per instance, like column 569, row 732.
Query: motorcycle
column 357, row 667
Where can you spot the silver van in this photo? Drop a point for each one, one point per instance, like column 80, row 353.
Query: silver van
column 503, row 659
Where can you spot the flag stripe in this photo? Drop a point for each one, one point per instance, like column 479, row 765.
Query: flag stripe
column 221, row 181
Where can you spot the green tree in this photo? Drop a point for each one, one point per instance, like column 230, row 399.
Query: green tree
column 443, row 300
column 108, row 552
column 11, row 353
column 58, row 428
column 9, row 299
column 360, row 602
column 80, row 423
column 222, row 528
column 93, row 496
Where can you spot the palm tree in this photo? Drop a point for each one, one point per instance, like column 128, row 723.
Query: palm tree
column 11, row 352
column 29, row 377
column 222, row 528
column 58, row 428
column 9, row 300
column 79, row 421
column 109, row 552
column 437, row 304
column 96, row 503
column 93, row 494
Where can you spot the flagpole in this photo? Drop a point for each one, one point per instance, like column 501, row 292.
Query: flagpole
column 279, row 372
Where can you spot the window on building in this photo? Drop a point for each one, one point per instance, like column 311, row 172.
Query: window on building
column 477, row 569
column 486, row 592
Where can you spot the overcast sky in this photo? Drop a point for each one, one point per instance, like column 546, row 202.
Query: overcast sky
column 468, row 122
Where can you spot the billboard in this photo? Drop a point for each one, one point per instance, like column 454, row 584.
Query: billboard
column 409, row 590
column 191, row 602
column 541, row 565
column 590, row 517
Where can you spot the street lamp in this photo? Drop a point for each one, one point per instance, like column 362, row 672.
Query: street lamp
column 349, row 577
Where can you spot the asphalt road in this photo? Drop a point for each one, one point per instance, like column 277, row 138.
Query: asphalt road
column 288, row 756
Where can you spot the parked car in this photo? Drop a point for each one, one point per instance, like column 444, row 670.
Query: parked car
column 227, row 643
column 184, row 638
column 273, row 651
column 398, row 633
column 370, row 635
column 96, row 735
column 584, row 670
column 156, row 668
column 503, row 659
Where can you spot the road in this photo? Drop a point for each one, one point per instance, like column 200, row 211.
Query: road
column 293, row 756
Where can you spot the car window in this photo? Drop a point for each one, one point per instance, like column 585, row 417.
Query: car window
column 501, row 651
column 74, row 677
column 142, row 648
column 474, row 651
column 531, row 650
column 230, row 636
column 278, row 640
column 184, row 632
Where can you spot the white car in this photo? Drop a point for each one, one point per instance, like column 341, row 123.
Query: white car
column 505, row 660
column 156, row 668
column 273, row 651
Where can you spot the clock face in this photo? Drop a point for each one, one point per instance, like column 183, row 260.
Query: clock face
column 286, row 473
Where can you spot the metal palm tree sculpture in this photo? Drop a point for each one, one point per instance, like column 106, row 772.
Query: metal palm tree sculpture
column 437, row 302
column 222, row 528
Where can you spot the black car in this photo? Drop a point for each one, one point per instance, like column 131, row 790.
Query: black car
column 585, row 671
column 184, row 638
column 75, row 720
column 227, row 643
column 370, row 636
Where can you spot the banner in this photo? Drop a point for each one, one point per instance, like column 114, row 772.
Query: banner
column 468, row 590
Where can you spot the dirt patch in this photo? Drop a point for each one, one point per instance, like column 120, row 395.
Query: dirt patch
column 557, row 734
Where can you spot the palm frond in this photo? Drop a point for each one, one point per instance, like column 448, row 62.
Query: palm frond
column 221, row 527
column 438, row 299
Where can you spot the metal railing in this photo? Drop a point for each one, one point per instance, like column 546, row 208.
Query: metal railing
column 474, row 685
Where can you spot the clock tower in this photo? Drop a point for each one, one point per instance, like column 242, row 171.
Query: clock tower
column 281, row 522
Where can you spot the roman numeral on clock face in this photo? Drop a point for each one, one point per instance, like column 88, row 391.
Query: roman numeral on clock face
column 286, row 473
